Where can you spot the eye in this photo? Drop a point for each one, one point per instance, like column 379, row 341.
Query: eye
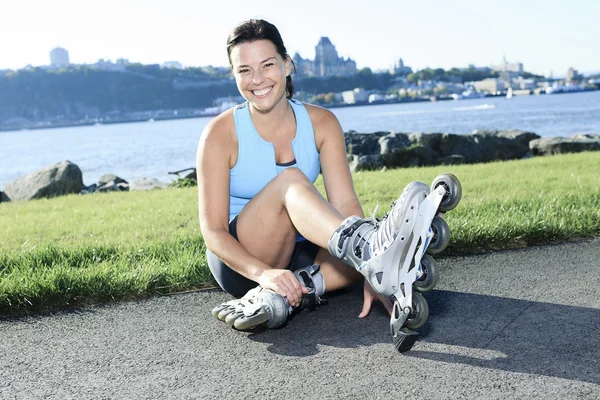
column 267, row 65
column 243, row 71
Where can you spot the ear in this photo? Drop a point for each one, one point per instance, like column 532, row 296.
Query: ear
column 288, row 65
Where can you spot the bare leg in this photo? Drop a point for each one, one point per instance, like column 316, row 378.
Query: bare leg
column 337, row 273
column 269, row 224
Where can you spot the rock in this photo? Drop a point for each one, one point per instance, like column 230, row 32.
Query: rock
column 366, row 162
column 89, row 189
column 147, row 184
column 454, row 159
column 592, row 136
column 54, row 180
column 392, row 141
column 521, row 137
column 561, row 145
column 480, row 146
column 106, row 178
column 502, row 145
column 412, row 156
column 114, row 186
column 3, row 197
column 363, row 143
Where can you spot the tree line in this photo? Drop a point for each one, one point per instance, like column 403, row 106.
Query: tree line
column 78, row 91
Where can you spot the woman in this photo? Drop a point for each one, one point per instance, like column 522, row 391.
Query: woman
column 271, row 237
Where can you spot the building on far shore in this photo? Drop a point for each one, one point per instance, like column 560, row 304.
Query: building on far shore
column 491, row 85
column 399, row 68
column 326, row 62
column 107, row 65
column 508, row 70
column 171, row 65
column 59, row 57
column 573, row 75
column 358, row 95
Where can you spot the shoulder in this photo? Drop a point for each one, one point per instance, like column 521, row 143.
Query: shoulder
column 320, row 115
column 221, row 128
column 325, row 124
column 219, row 134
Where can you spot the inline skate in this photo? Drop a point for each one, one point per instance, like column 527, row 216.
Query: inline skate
column 394, row 253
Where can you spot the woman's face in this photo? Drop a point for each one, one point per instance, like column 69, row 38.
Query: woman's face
column 260, row 73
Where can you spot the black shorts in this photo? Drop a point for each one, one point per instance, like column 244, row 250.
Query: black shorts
column 238, row 285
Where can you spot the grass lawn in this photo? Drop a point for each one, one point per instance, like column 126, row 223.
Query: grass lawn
column 77, row 250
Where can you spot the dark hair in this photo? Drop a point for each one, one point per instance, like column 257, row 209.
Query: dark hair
column 259, row 29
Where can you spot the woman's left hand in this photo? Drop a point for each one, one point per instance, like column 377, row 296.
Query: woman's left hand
column 369, row 297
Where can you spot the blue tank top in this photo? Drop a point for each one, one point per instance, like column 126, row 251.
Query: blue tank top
column 256, row 164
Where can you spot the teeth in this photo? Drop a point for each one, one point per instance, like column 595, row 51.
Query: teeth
column 261, row 92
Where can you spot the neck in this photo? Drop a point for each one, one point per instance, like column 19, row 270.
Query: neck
column 274, row 115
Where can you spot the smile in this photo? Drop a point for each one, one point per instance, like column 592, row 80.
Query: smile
column 262, row 92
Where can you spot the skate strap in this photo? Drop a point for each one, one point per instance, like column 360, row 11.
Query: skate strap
column 312, row 299
column 348, row 231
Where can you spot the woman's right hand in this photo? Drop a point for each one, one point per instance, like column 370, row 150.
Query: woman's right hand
column 284, row 283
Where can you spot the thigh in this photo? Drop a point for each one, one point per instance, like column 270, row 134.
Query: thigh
column 264, row 227
column 230, row 281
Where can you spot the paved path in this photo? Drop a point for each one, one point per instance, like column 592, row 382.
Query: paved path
column 514, row 324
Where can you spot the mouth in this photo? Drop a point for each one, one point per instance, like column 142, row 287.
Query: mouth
column 262, row 92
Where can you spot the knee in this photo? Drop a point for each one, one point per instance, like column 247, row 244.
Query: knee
column 293, row 175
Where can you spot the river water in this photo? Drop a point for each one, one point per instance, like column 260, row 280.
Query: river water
column 152, row 149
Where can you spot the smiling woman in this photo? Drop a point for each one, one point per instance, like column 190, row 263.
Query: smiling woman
column 260, row 60
column 271, row 237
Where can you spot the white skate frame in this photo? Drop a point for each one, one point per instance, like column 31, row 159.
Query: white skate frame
column 397, row 282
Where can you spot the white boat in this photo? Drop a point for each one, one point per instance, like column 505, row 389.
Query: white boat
column 509, row 93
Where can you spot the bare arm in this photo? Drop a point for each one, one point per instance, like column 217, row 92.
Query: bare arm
column 215, row 156
column 334, row 162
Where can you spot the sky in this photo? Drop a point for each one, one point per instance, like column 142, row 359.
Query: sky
column 547, row 36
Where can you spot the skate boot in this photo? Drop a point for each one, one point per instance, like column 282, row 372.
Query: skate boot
column 390, row 252
column 264, row 307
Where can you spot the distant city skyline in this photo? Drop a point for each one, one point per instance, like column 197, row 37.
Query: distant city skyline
column 545, row 36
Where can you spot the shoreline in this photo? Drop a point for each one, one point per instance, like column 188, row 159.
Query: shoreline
column 81, row 123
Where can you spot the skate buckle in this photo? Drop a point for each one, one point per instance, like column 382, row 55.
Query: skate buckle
column 363, row 265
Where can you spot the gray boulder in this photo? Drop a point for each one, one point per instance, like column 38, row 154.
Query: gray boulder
column 111, row 183
column 521, row 137
column 413, row 156
column 561, row 145
column 146, row 184
column 107, row 178
column 454, row 159
column 393, row 141
column 367, row 162
column 363, row 144
column 113, row 186
column 51, row 181
column 592, row 136
column 480, row 146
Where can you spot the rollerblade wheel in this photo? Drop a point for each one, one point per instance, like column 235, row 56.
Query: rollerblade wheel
column 453, row 190
column 420, row 312
column 430, row 275
column 441, row 235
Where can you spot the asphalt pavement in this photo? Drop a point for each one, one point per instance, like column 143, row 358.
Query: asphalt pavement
column 516, row 324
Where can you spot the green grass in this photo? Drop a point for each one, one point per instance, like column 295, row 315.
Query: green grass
column 78, row 250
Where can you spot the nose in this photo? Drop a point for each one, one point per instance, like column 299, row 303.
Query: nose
column 257, row 77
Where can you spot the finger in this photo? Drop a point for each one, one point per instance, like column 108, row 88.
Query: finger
column 288, row 291
column 388, row 305
column 366, row 308
column 298, row 288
